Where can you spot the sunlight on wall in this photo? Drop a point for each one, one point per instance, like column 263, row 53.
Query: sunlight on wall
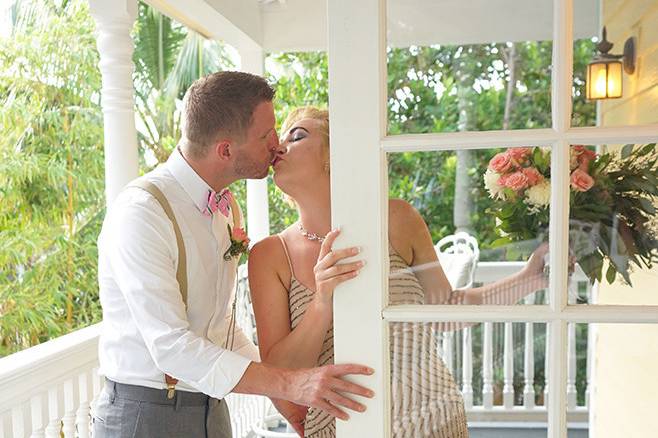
column 625, row 388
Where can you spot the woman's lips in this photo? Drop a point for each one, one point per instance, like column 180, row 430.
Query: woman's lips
column 275, row 161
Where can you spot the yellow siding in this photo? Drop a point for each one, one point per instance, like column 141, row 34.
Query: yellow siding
column 624, row 387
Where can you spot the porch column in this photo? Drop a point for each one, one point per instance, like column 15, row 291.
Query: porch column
column 114, row 22
column 258, row 210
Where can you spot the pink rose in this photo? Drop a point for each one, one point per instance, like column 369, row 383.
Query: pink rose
column 533, row 175
column 239, row 235
column 519, row 154
column 581, row 181
column 516, row 181
column 500, row 163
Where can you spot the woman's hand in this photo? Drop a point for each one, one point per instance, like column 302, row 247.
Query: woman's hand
column 329, row 273
column 295, row 414
column 534, row 271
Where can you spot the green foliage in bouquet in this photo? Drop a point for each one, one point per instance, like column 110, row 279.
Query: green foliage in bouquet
column 612, row 208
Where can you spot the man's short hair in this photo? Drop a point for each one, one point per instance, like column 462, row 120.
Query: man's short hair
column 221, row 104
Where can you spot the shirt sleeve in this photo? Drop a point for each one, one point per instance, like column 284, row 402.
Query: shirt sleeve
column 143, row 250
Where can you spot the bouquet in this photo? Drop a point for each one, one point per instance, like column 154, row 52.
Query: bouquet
column 612, row 208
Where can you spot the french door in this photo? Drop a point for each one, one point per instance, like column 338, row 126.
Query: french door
column 360, row 147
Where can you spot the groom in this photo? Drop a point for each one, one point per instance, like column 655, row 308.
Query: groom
column 166, row 349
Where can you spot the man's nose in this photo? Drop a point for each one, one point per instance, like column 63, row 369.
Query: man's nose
column 274, row 142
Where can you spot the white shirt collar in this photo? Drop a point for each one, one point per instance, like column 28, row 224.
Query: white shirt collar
column 195, row 187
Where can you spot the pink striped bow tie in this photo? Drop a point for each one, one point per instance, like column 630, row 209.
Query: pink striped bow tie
column 218, row 201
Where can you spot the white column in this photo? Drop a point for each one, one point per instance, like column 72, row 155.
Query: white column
column 357, row 80
column 114, row 22
column 258, row 209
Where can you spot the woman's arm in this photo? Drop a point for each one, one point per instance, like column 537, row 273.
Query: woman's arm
column 412, row 232
column 301, row 347
column 278, row 344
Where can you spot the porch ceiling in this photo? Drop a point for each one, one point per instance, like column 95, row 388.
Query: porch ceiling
column 301, row 25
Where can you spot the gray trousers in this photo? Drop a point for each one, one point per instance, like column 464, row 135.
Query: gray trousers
column 130, row 411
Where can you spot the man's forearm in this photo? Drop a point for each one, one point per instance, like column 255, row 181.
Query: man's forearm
column 265, row 380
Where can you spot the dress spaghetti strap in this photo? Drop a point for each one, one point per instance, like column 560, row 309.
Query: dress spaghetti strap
column 285, row 250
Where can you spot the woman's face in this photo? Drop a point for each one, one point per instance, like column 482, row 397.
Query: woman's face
column 302, row 158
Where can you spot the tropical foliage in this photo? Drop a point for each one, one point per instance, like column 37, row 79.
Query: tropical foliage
column 52, row 156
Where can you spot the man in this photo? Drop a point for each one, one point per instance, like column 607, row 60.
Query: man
column 149, row 328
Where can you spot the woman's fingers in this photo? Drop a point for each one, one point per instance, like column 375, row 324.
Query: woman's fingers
column 337, row 270
column 334, row 256
column 328, row 243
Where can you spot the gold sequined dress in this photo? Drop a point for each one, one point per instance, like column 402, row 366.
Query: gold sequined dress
column 426, row 401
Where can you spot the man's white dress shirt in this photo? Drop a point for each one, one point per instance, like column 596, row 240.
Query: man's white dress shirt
column 146, row 329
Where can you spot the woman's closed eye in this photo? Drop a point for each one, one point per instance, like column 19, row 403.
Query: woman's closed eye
column 297, row 134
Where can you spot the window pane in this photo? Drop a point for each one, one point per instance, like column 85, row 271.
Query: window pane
column 468, row 66
column 636, row 19
column 463, row 224
column 613, row 227
column 611, row 387
column 487, row 377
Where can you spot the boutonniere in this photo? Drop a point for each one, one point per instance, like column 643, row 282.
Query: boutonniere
column 239, row 243
column 237, row 234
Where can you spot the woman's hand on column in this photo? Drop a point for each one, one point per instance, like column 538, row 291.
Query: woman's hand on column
column 329, row 273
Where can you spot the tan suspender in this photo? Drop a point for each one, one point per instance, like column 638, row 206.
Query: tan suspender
column 181, row 270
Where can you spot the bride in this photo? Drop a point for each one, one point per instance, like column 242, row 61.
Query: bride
column 292, row 277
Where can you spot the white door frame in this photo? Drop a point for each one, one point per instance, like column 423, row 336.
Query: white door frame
column 359, row 144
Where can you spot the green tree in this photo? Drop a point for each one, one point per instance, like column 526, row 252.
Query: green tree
column 51, row 168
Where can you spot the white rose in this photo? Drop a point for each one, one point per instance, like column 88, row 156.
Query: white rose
column 491, row 183
column 539, row 195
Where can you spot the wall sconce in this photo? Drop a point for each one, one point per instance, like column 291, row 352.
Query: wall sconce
column 604, row 77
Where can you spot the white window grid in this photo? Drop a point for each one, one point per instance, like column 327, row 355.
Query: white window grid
column 356, row 30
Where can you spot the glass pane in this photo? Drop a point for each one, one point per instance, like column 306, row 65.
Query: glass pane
column 632, row 19
column 468, row 66
column 463, row 225
column 488, row 378
column 613, row 226
column 609, row 395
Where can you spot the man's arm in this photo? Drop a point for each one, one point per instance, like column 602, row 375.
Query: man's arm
column 141, row 249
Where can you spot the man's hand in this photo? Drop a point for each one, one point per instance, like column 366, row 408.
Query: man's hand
column 324, row 387
column 293, row 413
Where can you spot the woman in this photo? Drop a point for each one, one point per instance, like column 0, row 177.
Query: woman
column 292, row 277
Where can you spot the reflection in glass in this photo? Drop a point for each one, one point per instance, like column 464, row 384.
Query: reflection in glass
column 493, row 372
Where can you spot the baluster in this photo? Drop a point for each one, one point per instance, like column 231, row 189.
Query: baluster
column 448, row 343
column 68, row 419
column 54, row 428
column 487, row 367
column 572, row 394
column 529, row 361
column 546, row 366
column 18, row 422
column 82, row 415
column 467, row 368
column 508, row 387
column 590, row 364
column 37, row 409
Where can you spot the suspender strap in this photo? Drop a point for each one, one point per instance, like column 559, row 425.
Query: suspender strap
column 181, row 270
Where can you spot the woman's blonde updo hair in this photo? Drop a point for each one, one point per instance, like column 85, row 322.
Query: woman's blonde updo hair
column 315, row 113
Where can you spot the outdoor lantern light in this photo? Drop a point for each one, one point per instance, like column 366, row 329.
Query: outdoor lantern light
column 604, row 77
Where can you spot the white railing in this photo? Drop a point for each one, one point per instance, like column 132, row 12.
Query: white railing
column 48, row 390
column 509, row 403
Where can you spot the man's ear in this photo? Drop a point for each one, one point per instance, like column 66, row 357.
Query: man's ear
column 224, row 149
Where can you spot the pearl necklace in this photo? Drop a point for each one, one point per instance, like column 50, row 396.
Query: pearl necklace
column 309, row 235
